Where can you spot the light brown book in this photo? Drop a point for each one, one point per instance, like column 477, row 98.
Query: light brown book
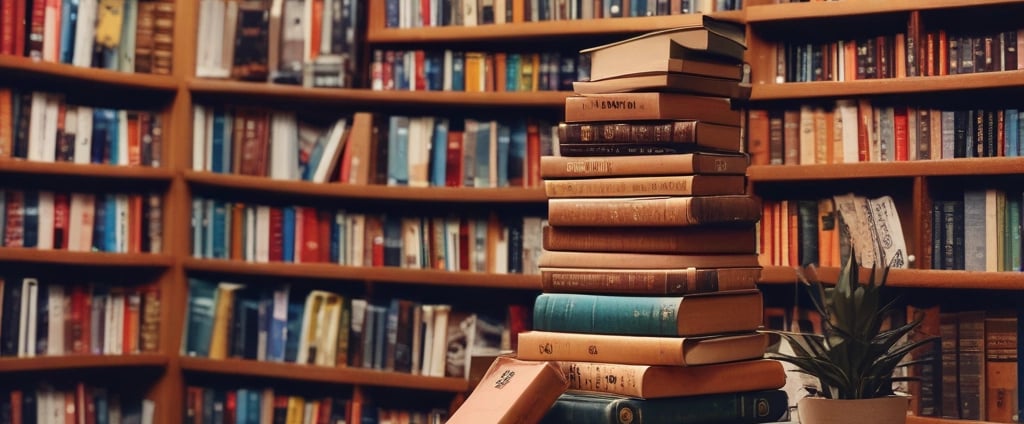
column 652, row 239
column 649, row 381
column 666, row 81
column 614, row 138
column 647, row 282
column 564, row 259
column 693, row 64
column 640, row 350
column 553, row 167
column 650, row 106
column 512, row 391
column 653, row 211
column 661, row 185
column 708, row 36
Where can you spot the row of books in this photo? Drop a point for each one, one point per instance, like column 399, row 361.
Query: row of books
column 981, row 231
column 83, row 222
column 44, row 127
column 45, row 318
column 323, row 328
column 249, row 405
column 857, row 131
column 900, row 55
column 312, row 43
column 476, row 71
column 74, row 403
column 303, row 234
column 132, row 38
column 825, row 232
column 399, row 14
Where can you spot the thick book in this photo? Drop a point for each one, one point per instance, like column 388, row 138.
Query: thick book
column 691, row 63
column 711, row 37
column 661, row 381
column 512, row 391
column 689, row 134
column 554, row 167
column 640, row 350
column 653, row 211
column 666, row 81
column 651, row 106
column 647, row 282
column 570, row 259
column 661, row 185
column 726, row 408
column 669, row 316
column 652, row 239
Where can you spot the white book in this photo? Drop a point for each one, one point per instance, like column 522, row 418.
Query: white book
column 51, row 29
column 412, row 242
column 420, row 133
column 500, row 254
column 356, row 324
column 439, row 340
column 122, row 138
column 284, row 153
column 847, row 110
column 446, row 73
column 887, row 225
column 85, row 33
column 126, row 49
column 121, row 222
column 250, row 233
column 83, row 210
column 262, row 234
column 115, row 326
column 356, row 239
column 204, row 28
column 83, row 134
column 332, row 151
column 108, row 324
column 50, row 118
column 327, row 354
column 199, row 139
column 427, row 362
column 56, row 308
column 37, row 128
column 451, row 244
column 44, row 240
column 27, row 320
column 148, row 409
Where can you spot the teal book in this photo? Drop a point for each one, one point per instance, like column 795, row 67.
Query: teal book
column 732, row 408
column 202, row 298
column 692, row 315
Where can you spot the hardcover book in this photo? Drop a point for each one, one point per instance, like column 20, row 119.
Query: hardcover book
column 732, row 408
column 641, row 350
column 653, row 381
column 512, row 391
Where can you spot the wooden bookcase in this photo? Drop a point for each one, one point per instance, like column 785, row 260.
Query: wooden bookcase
column 915, row 184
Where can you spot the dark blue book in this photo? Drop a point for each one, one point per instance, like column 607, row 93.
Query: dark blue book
column 730, row 408
column 296, row 307
column 30, row 219
column 103, row 129
column 288, row 234
column 504, row 152
column 439, row 152
column 202, row 297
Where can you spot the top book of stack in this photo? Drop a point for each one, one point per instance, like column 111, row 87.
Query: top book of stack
column 702, row 57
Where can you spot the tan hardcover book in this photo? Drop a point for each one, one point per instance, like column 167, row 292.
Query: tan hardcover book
column 662, row 185
column 637, row 138
column 653, row 211
column 650, row 106
column 649, row 381
column 554, row 167
column 640, row 350
column 356, row 161
column 647, row 281
column 550, row 258
column 653, row 239
column 701, row 34
column 666, row 81
column 512, row 391
column 688, row 64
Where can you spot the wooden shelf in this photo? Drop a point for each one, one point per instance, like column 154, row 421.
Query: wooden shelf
column 535, row 30
column 913, row 419
column 377, row 274
column 356, row 98
column 912, row 278
column 87, row 259
column 91, row 171
column 14, row 68
column 69, row 362
column 941, row 167
column 310, row 373
column 374, row 192
column 833, row 9
column 888, row 86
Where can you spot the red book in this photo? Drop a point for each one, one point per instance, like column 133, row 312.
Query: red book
column 310, row 251
column 324, row 221
column 532, row 170
column 465, row 242
column 900, row 132
column 19, row 28
column 61, row 220
column 453, row 169
column 230, row 406
column 135, row 222
column 276, row 250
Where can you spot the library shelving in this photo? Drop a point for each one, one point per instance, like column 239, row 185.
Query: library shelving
column 817, row 41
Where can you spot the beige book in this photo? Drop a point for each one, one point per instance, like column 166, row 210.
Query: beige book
column 662, row 185
column 553, row 167
column 650, row 106
column 653, row 211
column 652, row 381
column 640, row 350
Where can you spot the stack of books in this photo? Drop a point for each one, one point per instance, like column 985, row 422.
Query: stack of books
column 650, row 304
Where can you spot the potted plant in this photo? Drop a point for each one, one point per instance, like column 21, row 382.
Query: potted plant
column 854, row 359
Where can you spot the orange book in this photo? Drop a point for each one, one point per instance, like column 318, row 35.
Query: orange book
column 660, row 381
column 654, row 239
column 650, row 106
column 653, row 211
column 640, row 350
column 6, row 123
column 512, row 391
column 1001, row 368
column 757, row 137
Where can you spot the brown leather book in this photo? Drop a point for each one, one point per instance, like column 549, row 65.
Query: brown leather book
column 740, row 238
column 653, row 211
column 660, row 381
column 554, row 167
column 651, row 106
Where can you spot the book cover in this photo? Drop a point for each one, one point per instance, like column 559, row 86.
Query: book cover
column 652, row 282
column 640, row 350
column 741, row 238
column 596, row 408
column 512, row 391
column 650, row 106
column 667, row 185
column 705, row 163
column 653, row 211
column 652, row 382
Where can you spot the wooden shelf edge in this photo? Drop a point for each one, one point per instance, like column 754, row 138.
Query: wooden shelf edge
column 361, row 96
column 18, row 166
column 908, row 85
column 23, row 66
column 67, row 362
column 87, row 259
column 911, row 278
column 310, row 373
column 542, row 29
column 831, row 10
column 913, row 419
column 938, row 167
column 374, row 192
column 376, row 274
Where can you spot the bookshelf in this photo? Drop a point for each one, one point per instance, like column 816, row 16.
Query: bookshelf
column 917, row 185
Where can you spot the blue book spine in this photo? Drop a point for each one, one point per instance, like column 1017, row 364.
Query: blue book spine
column 581, row 313
column 380, row 336
column 398, row 73
column 99, row 224
column 391, row 15
column 199, row 325
column 68, row 17
column 30, row 219
column 102, row 406
column 439, row 153
column 288, row 234
column 197, row 227
column 293, row 332
column 335, row 246
column 101, row 129
column 458, row 71
column 208, row 219
column 512, row 69
column 217, row 143
column 242, row 406
column 504, row 145
column 392, row 241
column 1012, row 131
column 110, row 235
column 482, row 175
column 277, row 333
column 254, row 404
column 114, row 138
column 220, row 230
column 517, row 154
column 398, row 147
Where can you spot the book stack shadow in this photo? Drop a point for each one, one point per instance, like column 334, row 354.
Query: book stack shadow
column 650, row 305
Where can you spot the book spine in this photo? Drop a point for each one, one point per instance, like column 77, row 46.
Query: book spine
column 761, row 406
column 619, row 132
column 560, row 346
column 648, row 282
column 652, row 211
column 685, row 185
column 683, row 239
